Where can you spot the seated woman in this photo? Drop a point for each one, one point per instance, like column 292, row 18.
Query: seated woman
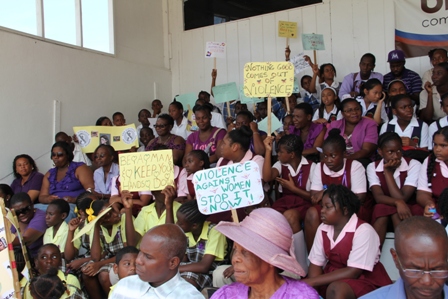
column 333, row 169
column 413, row 132
column 163, row 126
column 207, row 248
column 245, row 118
column 28, row 178
column 360, row 133
column 31, row 222
column 345, row 254
column 262, row 248
column 207, row 138
column 393, row 181
column 104, row 157
column 235, row 149
column 312, row 134
column 66, row 180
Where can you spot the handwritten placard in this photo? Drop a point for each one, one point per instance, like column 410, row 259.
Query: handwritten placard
column 268, row 79
column 121, row 138
column 287, row 29
column 225, row 92
column 187, row 100
column 143, row 171
column 275, row 124
column 228, row 187
column 300, row 64
column 246, row 100
column 215, row 49
column 7, row 281
column 313, row 42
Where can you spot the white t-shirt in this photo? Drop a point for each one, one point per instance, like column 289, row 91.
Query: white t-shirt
column 424, row 136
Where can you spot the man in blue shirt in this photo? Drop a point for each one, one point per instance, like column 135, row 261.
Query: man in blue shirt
column 420, row 255
column 410, row 78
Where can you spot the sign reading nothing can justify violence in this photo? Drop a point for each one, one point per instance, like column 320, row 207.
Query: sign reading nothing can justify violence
column 228, row 187
column 268, row 79
column 143, row 171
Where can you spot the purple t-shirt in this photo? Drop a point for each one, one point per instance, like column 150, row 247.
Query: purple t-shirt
column 37, row 223
column 208, row 146
column 365, row 131
column 34, row 182
column 314, row 131
column 289, row 290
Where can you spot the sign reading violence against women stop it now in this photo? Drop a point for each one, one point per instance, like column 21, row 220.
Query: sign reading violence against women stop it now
column 268, row 79
column 228, row 187
column 144, row 171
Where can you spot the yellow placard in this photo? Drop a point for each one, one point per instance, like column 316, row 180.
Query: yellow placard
column 89, row 226
column 268, row 79
column 7, row 281
column 120, row 138
column 143, row 171
column 287, row 29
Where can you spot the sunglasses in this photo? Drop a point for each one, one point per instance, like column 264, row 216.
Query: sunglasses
column 23, row 211
column 58, row 154
column 160, row 126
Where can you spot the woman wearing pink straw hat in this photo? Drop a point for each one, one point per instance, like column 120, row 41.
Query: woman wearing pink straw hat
column 262, row 248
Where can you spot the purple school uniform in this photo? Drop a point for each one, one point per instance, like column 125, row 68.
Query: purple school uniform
column 365, row 131
column 208, row 146
column 314, row 131
column 34, row 182
column 69, row 185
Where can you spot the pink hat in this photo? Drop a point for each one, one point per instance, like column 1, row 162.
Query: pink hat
column 267, row 234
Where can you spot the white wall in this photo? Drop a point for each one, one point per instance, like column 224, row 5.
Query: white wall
column 350, row 27
column 34, row 73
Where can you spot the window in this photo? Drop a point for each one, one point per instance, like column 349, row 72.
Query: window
column 83, row 23
column 200, row 13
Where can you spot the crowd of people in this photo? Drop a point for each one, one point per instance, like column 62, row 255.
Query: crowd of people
column 354, row 160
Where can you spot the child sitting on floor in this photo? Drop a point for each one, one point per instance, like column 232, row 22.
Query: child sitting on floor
column 206, row 246
column 345, row 254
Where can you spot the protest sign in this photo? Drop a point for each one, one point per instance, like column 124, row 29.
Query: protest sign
column 225, row 92
column 287, row 29
column 228, row 187
column 120, row 138
column 89, row 226
column 268, row 79
column 275, row 124
column 246, row 100
column 299, row 62
column 6, row 267
column 215, row 50
column 144, row 171
column 313, row 42
column 187, row 100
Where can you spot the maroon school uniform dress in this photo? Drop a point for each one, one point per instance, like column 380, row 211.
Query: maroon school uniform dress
column 338, row 258
column 383, row 210
column 227, row 215
column 290, row 200
column 438, row 184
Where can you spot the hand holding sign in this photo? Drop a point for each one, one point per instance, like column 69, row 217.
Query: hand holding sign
column 228, row 187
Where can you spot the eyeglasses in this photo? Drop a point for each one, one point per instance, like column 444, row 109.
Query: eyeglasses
column 416, row 273
column 352, row 110
column 58, row 154
column 23, row 211
column 160, row 126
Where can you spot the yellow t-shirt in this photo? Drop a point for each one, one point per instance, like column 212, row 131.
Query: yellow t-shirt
column 59, row 239
column 70, row 280
column 216, row 243
column 148, row 218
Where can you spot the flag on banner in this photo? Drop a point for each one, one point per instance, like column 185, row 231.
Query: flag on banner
column 420, row 25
